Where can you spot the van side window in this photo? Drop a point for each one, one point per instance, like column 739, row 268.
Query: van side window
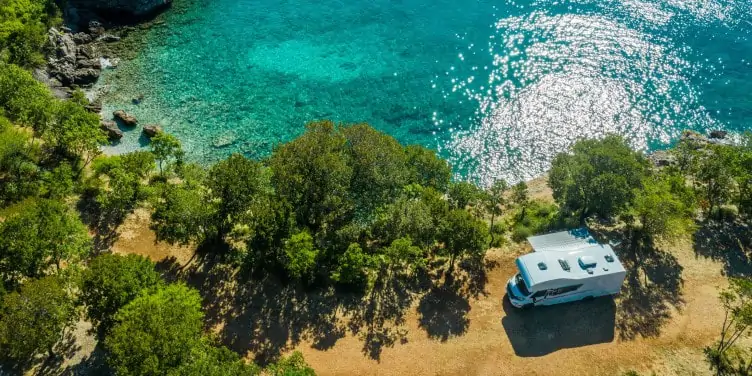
column 564, row 290
column 539, row 294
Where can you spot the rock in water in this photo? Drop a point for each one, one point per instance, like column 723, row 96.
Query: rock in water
column 152, row 130
column 124, row 117
column 113, row 132
column 718, row 134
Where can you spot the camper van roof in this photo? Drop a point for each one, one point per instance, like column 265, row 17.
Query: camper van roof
column 569, row 262
column 563, row 241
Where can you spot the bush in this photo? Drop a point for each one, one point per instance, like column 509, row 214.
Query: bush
column 521, row 233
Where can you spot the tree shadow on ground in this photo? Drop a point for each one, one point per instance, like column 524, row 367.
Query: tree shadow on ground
column 92, row 365
column 542, row 330
column 104, row 224
column 652, row 289
column 726, row 242
column 443, row 311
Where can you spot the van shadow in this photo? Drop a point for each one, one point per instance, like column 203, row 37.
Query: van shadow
column 543, row 330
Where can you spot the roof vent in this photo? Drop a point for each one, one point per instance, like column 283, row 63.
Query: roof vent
column 564, row 265
column 587, row 262
column 609, row 258
column 542, row 266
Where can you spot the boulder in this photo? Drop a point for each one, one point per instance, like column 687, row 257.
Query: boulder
column 85, row 76
column 113, row 132
column 662, row 158
column 81, row 38
column 695, row 139
column 125, row 118
column 89, row 63
column 95, row 107
column 152, row 130
column 95, row 28
column 718, row 134
column 86, row 51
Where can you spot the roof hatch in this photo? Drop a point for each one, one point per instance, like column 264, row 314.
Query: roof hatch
column 587, row 262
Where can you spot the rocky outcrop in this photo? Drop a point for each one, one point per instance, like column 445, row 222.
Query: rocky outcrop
column 662, row 158
column 125, row 118
column 113, row 132
column 152, row 130
column 73, row 61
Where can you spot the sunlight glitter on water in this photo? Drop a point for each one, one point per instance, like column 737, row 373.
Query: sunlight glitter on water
column 556, row 79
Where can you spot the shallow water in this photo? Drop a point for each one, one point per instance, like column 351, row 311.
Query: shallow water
column 498, row 87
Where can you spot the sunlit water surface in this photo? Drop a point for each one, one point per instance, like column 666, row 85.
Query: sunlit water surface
column 497, row 87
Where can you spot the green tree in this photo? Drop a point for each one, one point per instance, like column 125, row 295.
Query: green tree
column 461, row 194
column 312, row 173
column 402, row 254
column 112, row 281
column 156, row 333
column 597, row 177
column 463, row 234
column 19, row 172
column 183, row 215
column 406, row 217
column 58, row 183
column 292, row 365
column 35, row 318
column 379, row 166
column 301, row 253
column 521, row 197
column 234, row 183
column 166, row 148
column 725, row 357
column 661, row 208
column 493, row 199
column 23, row 30
column 716, row 175
column 352, row 266
column 46, row 233
column 207, row 360
column 75, row 132
column 24, row 100
column 429, row 170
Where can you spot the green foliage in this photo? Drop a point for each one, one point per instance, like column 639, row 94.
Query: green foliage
column 540, row 217
column 428, row 169
column 33, row 319
column 597, row 177
column 182, row 214
column 292, row 365
column 403, row 254
column 19, row 173
column 462, row 194
column 301, row 254
column 351, row 266
column 112, row 281
column 726, row 357
column 312, row 173
column 58, row 183
column 214, row 361
column 166, row 148
column 269, row 222
column 125, row 177
column 156, row 333
column 716, row 174
column 462, row 234
column 75, row 132
column 493, row 200
column 23, row 30
column 521, row 197
column 660, row 205
column 23, row 99
column 379, row 166
column 406, row 217
column 46, row 233
column 233, row 183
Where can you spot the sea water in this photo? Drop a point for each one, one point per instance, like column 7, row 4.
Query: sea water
column 497, row 87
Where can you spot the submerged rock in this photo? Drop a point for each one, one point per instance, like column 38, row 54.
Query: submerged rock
column 225, row 139
column 151, row 130
column 126, row 118
column 718, row 134
column 113, row 132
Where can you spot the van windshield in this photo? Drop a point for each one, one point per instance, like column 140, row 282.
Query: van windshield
column 521, row 285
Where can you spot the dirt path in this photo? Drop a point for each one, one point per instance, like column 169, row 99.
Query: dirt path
column 484, row 336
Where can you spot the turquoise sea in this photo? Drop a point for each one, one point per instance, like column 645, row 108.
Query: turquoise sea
column 497, row 87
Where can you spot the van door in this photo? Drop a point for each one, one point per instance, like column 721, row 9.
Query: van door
column 539, row 296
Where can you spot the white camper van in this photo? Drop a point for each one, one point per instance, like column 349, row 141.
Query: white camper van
column 566, row 266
